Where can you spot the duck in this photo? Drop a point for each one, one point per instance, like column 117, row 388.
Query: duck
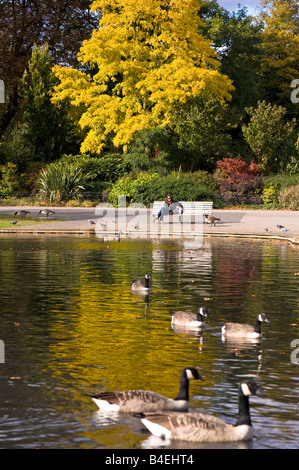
column 142, row 285
column 200, row 427
column 139, row 401
column 244, row 331
column 211, row 220
column 21, row 213
column 46, row 212
column 189, row 319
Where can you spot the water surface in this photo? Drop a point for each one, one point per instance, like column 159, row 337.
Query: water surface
column 71, row 327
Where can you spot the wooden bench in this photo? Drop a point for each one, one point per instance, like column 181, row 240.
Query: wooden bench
column 191, row 208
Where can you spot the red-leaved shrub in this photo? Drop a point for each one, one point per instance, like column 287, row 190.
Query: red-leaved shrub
column 240, row 182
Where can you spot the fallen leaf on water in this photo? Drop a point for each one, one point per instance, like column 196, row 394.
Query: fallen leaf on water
column 15, row 378
column 207, row 298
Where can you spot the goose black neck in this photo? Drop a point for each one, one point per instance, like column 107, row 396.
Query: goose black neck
column 184, row 388
column 257, row 327
column 244, row 412
column 199, row 317
column 146, row 282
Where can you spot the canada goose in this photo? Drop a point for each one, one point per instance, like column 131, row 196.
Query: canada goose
column 142, row 285
column 199, row 427
column 242, row 330
column 138, row 401
column 46, row 212
column 211, row 220
column 21, row 213
column 189, row 319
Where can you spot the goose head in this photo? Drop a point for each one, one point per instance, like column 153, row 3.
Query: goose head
column 202, row 312
column 263, row 317
column 250, row 387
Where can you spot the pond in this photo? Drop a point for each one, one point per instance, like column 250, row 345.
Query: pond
column 70, row 327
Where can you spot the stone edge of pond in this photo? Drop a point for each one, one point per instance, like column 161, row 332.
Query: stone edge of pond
column 144, row 235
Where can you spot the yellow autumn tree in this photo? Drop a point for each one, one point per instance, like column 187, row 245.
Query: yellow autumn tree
column 280, row 49
column 147, row 59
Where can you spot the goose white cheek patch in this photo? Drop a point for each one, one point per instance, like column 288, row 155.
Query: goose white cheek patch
column 245, row 390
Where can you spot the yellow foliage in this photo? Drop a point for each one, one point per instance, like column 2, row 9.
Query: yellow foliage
column 280, row 45
column 148, row 59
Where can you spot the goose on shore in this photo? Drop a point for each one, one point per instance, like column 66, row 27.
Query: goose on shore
column 46, row 212
column 209, row 219
column 142, row 285
column 200, row 427
column 189, row 319
column 244, row 331
column 139, row 401
column 21, row 213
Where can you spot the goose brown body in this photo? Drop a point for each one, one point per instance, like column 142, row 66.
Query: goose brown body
column 138, row 401
column 200, row 427
column 189, row 319
column 142, row 285
column 232, row 330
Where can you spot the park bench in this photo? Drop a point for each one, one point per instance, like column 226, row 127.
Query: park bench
column 195, row 209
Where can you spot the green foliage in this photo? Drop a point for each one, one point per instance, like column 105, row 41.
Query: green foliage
column 128, row 186
column 281, row 180
column 10, row 181
column 270, row 136
column 289, row 198
column 145, row 188
column 237, row 40
column 152, row 150
column 202, row 128
column 275, row 184
column 16, row 148
column 61, row 181
column 107, row 168
column 46, row 126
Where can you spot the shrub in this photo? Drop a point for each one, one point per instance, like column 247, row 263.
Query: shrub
column 240, row 182
column 181, row 187
column 289, row 198
column 145, row 188
column 205, row 178
column 61, row 181
column 270, row 195
column 10, row 181
column 108, row 168
column 128, row 186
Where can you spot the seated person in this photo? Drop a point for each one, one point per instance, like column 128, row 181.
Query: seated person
column 170, row 207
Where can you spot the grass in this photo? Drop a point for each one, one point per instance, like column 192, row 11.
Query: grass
column 6, row 219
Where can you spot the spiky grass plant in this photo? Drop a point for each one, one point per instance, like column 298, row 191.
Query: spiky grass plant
column 62, row 181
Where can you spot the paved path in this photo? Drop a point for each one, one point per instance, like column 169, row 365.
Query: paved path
column 138, row 223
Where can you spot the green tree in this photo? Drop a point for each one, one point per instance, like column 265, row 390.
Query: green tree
column 46, row 126
column 203, row 134
column 236, row 38
column 271, row 137
column 148, row 59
